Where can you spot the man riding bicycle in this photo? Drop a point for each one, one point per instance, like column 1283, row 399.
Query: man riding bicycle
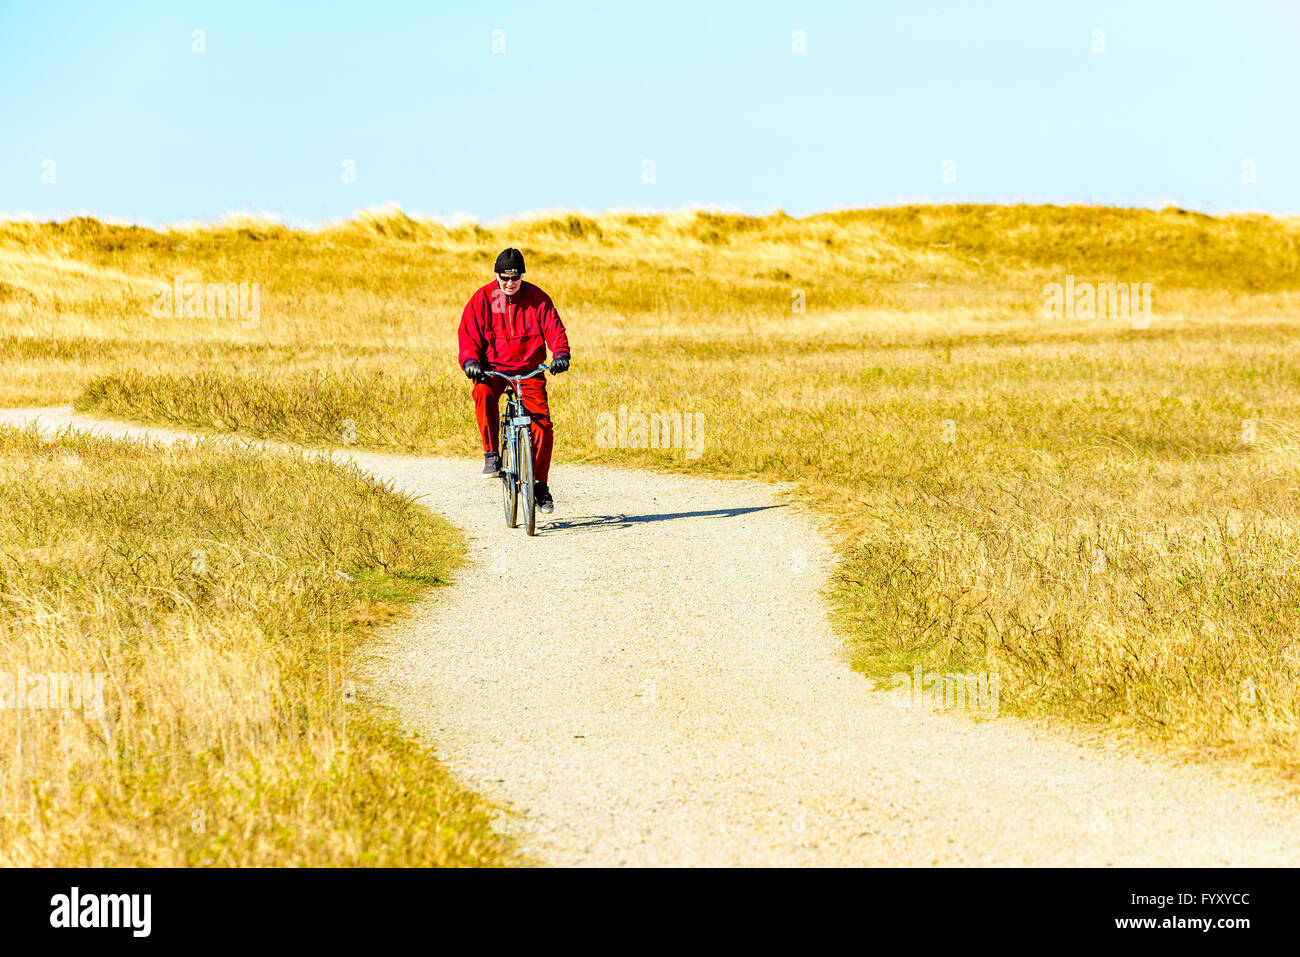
column 507, row 326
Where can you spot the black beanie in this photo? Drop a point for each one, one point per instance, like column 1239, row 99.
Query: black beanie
column 510, row 259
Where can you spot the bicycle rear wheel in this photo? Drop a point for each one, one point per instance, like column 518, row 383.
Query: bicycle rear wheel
column 526, row 481
column 509, row 478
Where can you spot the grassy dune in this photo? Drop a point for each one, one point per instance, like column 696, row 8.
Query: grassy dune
column 1105, row 515
column 222, row 598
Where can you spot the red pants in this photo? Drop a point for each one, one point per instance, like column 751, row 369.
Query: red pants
column 487, row 411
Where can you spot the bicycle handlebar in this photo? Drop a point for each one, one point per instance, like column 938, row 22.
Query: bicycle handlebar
column 515, row 378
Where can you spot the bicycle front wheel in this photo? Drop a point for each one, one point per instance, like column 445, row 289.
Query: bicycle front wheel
column 509, row 478
column 526, row 489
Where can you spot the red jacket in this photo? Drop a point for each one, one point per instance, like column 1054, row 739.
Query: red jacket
column 510, row 333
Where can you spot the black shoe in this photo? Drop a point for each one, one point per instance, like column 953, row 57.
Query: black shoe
column 491, row 465
column 543, row 496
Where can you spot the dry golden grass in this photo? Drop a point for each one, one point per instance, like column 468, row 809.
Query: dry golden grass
column 203, row 585
column 1097, row 528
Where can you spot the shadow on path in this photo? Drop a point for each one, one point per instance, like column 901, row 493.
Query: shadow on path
column 627, row 521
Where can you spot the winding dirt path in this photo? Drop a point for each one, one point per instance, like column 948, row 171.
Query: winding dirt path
column 676, row 696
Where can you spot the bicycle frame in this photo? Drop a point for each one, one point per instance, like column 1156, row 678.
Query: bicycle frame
column 515, row 411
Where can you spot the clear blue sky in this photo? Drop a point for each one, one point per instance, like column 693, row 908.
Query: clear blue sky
column 139, row 127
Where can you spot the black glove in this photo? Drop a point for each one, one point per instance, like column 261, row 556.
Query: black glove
column 473, row 369
column 559, row 364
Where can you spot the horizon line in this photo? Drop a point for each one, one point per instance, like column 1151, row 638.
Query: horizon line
column 459, row 219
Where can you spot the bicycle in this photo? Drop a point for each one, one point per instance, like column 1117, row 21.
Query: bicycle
column 517, row 452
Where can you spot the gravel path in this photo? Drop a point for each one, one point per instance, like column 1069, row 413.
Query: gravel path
column 677, row 697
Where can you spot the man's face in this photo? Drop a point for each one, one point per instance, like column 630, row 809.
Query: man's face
column 509, row 282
